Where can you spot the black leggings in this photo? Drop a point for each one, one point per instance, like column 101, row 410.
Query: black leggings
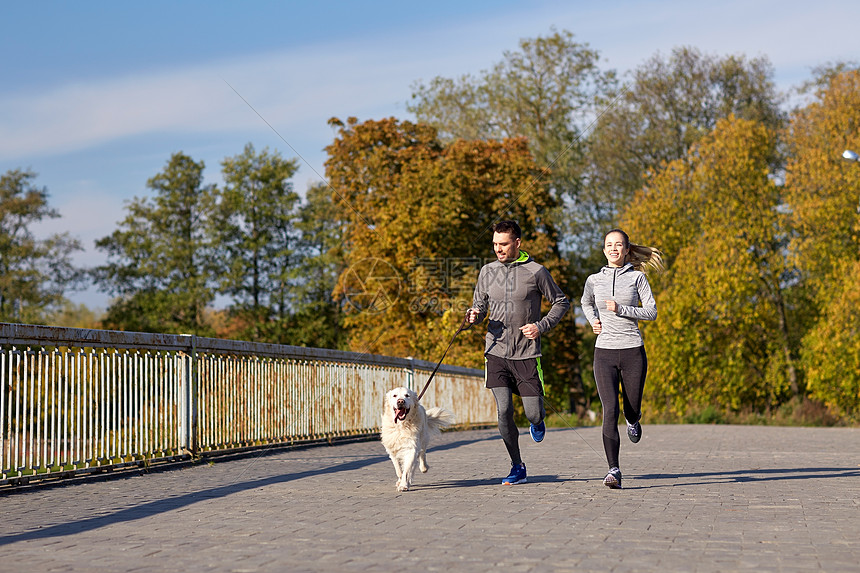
column 628, row 366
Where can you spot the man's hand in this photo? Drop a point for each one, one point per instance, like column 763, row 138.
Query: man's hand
column 530, row 331
column 471, row 315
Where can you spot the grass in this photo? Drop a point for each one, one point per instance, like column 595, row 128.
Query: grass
column 797, row 412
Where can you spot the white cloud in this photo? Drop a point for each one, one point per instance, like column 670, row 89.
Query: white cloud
column 297, row 90
column 291, row 90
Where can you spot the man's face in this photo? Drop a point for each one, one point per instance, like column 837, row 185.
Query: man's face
column 506, row 246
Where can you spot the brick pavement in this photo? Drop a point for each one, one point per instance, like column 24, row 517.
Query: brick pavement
column 695, row 498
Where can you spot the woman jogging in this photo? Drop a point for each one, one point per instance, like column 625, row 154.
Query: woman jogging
column 614, row 301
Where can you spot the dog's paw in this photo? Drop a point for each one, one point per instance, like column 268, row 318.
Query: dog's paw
column 424, row 468
column 402, row 487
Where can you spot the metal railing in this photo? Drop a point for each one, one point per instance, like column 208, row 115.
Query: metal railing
column 76, row 400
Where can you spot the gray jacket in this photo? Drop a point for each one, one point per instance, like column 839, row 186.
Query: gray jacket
column 510, row 294
column 628, row 288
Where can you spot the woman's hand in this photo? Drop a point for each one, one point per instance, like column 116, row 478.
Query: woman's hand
column 597, row 327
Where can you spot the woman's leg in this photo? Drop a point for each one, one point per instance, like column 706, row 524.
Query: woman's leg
column 606, row 377
column 634, row 368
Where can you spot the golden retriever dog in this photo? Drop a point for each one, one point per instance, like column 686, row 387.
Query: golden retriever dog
column 407, row 429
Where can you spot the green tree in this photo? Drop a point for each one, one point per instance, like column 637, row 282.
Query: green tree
column 542, row 92
column 253, row 230
column 159, row 259
column 726, row 335
column 823, row 191
column 667, row 105
column 547, row 92
column 317, row 318
column 34, row 273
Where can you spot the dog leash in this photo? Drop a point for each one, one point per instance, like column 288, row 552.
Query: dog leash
column 465, row 325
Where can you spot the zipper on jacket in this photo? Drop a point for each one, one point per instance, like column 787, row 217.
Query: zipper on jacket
column 507, row 335
column 614, row 272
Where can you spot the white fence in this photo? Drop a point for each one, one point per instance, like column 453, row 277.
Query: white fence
column 75, row 400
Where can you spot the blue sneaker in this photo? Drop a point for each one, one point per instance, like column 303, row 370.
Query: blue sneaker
column 613, row 479
column 538, row 431
column 517, row 475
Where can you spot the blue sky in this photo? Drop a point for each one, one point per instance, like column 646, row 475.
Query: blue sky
column 96, row 96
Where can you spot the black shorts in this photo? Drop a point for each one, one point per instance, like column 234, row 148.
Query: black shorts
column 523, row 377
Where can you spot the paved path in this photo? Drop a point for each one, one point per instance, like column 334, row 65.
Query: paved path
column 695, row 498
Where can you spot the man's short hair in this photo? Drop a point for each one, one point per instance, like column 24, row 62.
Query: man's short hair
column 509, row 227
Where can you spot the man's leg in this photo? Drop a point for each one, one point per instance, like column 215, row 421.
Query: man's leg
column 534, row 409
column 529, row 380
column 507, row 427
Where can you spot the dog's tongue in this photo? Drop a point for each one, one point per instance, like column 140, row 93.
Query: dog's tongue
column 400, row 414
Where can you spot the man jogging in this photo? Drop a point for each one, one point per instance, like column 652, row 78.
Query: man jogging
column 509, row 292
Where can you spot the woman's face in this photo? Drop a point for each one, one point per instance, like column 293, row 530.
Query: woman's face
column 615, row 250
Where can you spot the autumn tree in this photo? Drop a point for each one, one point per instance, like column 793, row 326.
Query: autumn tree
column 35, row 273
column 548, row 91
column 253, row 232
column 726, row 335
column 159, row 264
column 417, row 216
column 823, row 192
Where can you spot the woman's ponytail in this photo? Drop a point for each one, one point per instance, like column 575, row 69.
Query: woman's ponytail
column 645, row 258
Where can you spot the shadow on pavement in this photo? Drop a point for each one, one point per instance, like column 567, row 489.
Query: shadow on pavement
column 742, row 476
column 151, row 508
column 493, row 482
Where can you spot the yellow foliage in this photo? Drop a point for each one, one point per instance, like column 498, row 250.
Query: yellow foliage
column 832, row 350
column 823, row 191
column 714, row 215
column 419, row 215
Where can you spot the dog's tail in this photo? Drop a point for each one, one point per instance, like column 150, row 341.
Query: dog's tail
column 438, row 418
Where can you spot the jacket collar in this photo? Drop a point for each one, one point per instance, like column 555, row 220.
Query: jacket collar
column 523, row 258
column 627, row 267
